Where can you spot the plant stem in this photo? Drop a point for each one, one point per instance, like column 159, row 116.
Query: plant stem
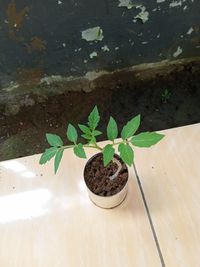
column 115, row 144
column 118, row 170
column 86, row 145
column 94, row 146
column 70, row 146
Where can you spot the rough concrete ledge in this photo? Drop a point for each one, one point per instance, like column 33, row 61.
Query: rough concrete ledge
column 17, row 95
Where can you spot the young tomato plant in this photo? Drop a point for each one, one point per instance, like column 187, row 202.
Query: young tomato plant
column 90, row 133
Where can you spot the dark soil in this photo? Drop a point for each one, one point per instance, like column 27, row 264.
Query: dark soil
column 24, row 134
column 97, row 176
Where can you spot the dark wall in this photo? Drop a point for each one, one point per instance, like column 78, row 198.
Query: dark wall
column 42, row 38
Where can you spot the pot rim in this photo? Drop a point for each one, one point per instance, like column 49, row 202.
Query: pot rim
column 89, row 160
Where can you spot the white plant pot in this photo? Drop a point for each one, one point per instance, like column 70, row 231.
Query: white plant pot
column 107, row 202
column 110, row 201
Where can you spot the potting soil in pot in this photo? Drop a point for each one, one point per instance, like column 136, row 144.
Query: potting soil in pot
column 97, row 176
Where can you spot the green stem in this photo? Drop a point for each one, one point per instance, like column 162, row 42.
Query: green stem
column 98, row 147
column 115, row 144
column 86, row 145
column 94, row 146
column 66, row 147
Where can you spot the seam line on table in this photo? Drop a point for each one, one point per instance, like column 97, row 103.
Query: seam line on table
column 149, row 217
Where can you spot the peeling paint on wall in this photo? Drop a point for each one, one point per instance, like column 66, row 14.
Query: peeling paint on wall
column 175, row 3
column 11, row 87
column 92, row 34
column 143, row 15
column 69, row 47
column 77, row 49
column 190, row 31
column 178, row 52
column 105, row 48
column 126, row 3
column 93, row 54
column 51, row 79
column 160, row 1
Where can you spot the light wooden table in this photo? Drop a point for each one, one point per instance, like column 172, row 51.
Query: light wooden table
column 170, row 179
column 48, row 221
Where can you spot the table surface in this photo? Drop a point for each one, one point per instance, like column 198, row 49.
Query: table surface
column 49, row 221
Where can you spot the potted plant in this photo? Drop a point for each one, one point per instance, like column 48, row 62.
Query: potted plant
column 106, row 173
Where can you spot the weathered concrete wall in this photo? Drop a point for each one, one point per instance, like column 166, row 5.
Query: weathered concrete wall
column 44, row 38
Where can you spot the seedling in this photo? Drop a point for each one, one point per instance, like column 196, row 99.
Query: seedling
column 166, row 95
column 90, row 132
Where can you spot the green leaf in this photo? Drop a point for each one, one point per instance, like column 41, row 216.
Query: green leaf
column 93, row 118
column 79, row 151
column 146, row 139
column 48, row 154
column 54, row 140
column 96, row 133
column 130, row 128
column 85, row 129
column 72, row 133
column 112, row 130
column 58, row 158
column 87, row 137
column 126, row 153
column 108, row 153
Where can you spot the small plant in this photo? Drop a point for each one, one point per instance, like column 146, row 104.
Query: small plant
column 90, row 133
column 166, row 95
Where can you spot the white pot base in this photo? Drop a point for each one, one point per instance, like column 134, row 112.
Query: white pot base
column 110, row 201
